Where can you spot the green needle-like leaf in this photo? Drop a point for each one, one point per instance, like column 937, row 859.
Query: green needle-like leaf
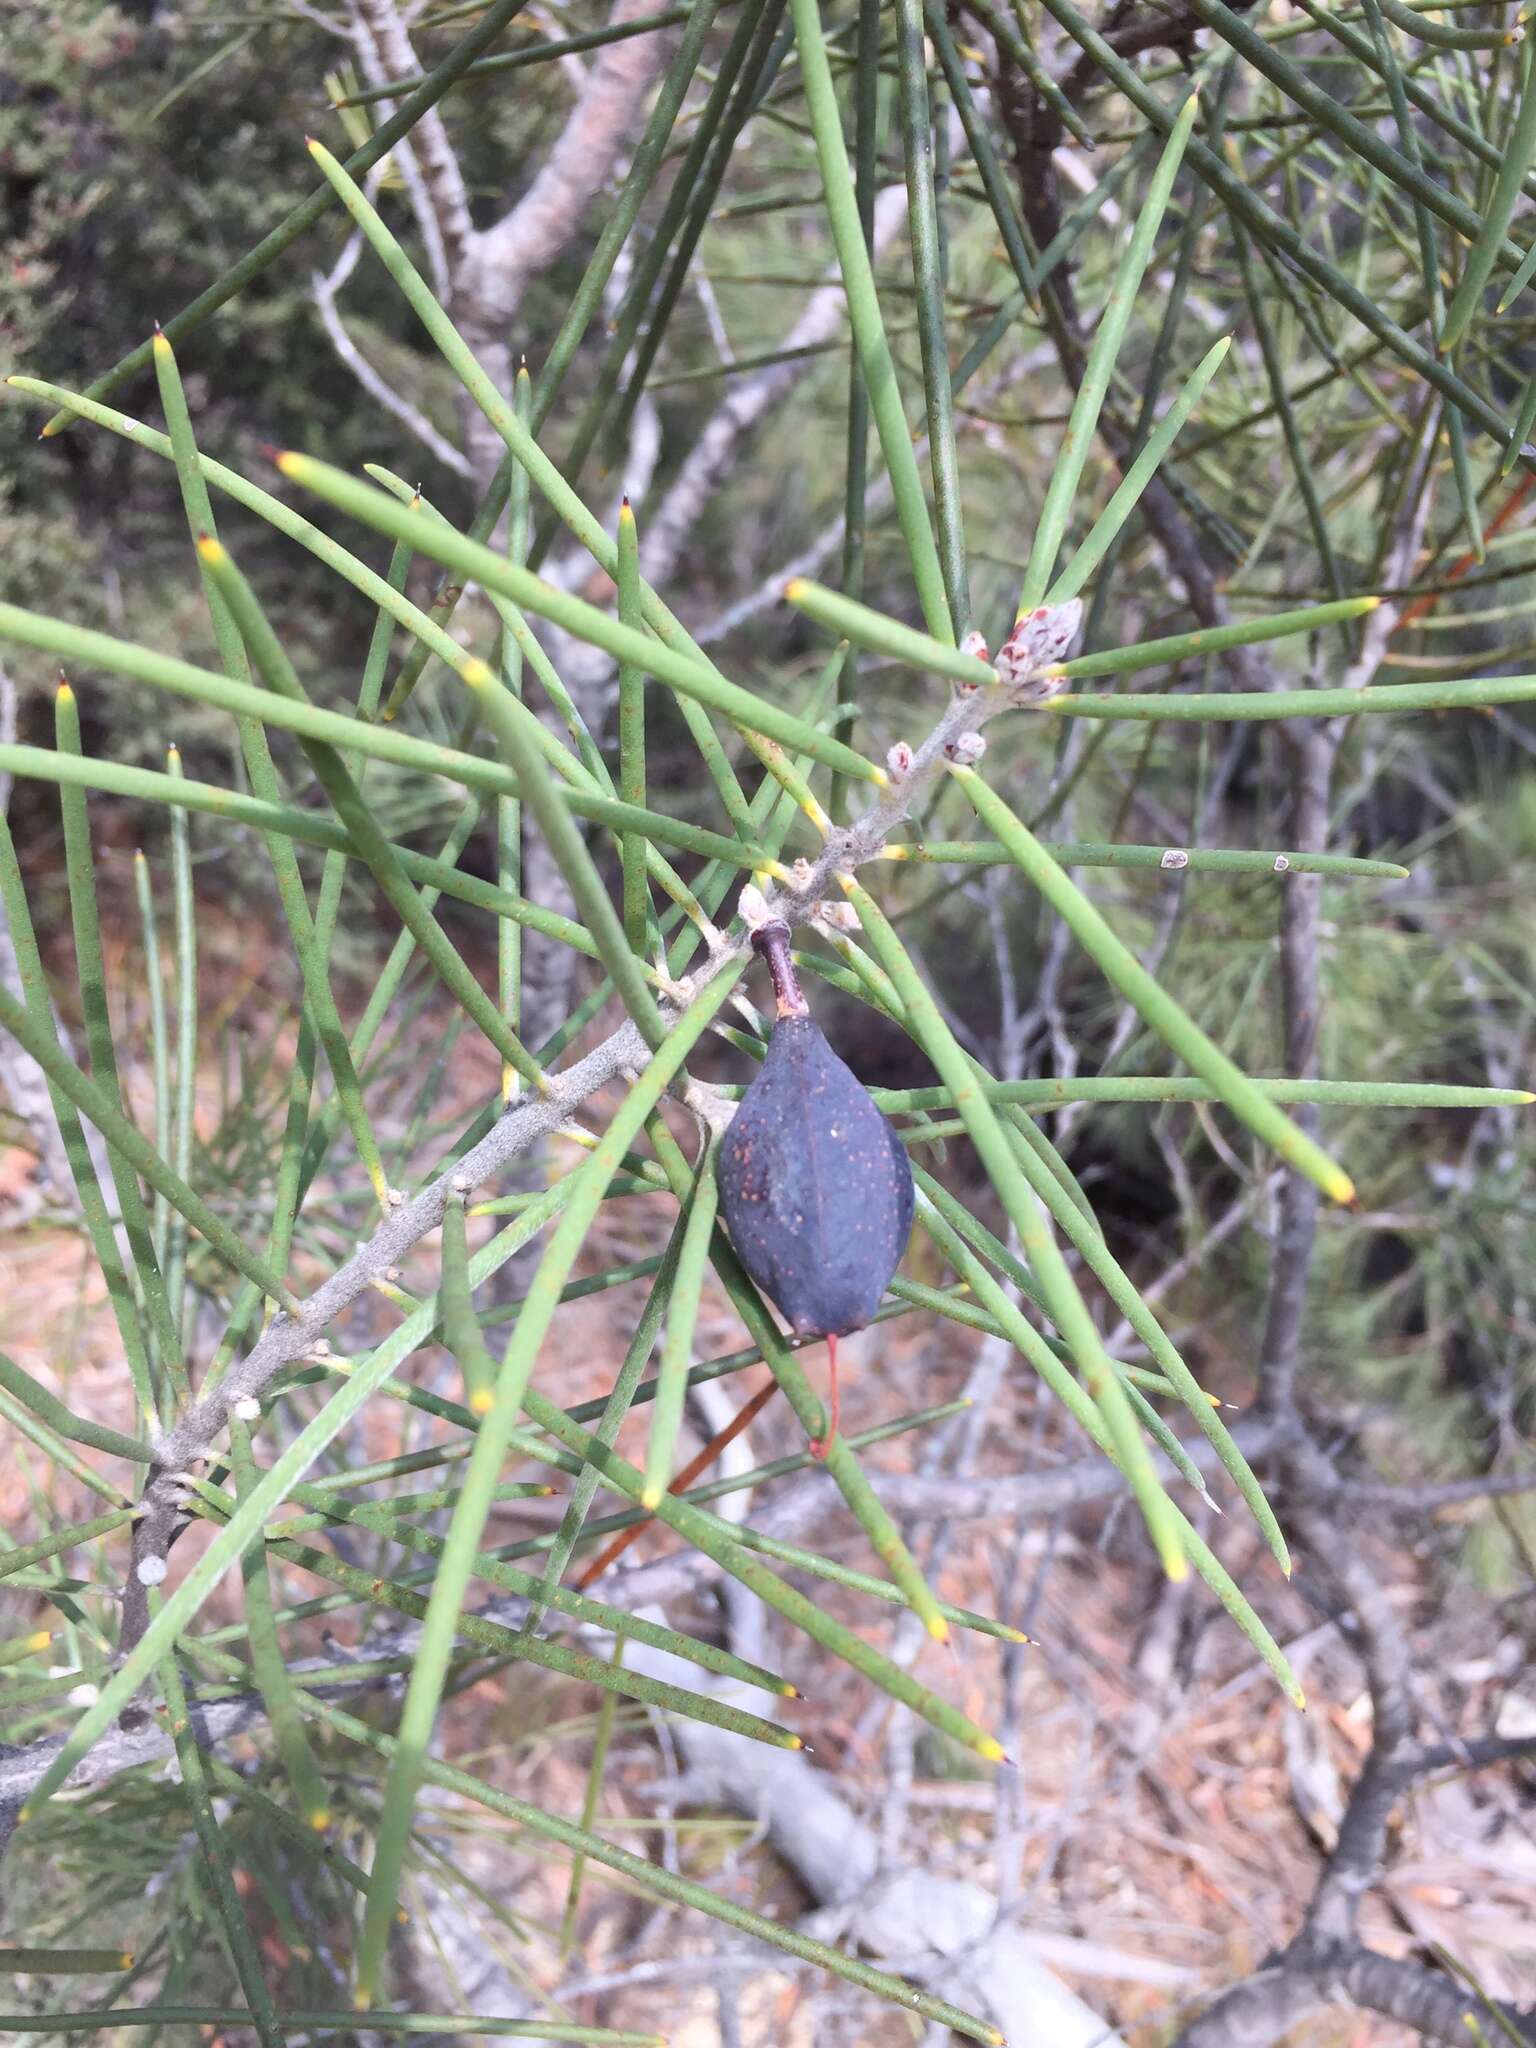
column 78, row 1429
column 62, row 1962
column 1177, row 1030
column 864, row 317
column 680, row 671
column 107, row 2019
column 26, row 1554
column 461, row 1330
column 1101, row 535
column 494, row 1571
column 1194, row 860
column 1519, row 148
column 665, row 1884
column 135, row 1150
column 543, row 803
column 632, row 736
column 484, row 1469
column 305, row 1785
column 1058, row 1289
column 159, row 1037
column 717, row 1540
column 1067, row 470
column 90, row 960
column 928, row 267
column 237, row 1929
column 589, row 1803
column 1219, row 707
column 994, row 1298
column 847, row 1473
column 263, row 775
column 336, row 779
column 677, row 1347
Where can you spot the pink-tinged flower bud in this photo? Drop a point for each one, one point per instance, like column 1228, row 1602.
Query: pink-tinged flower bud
column 899, row 760
column 1045, row 635
column 965, row 749
column 976, row 644
column 839, row 917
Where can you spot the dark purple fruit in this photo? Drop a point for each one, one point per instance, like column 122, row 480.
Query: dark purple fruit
column 815, row 1186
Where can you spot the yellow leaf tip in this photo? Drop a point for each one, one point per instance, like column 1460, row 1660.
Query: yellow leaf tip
column 320, row 1820
column 650, row 1498
column 477, row 673
column 481, row 1404
column 795, row 589
column 210, row 549
column 992, row 1750
column 938, row 1628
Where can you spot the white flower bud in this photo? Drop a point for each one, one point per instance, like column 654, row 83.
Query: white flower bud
column 899, row 760
column 753, row 906
column 965, row 749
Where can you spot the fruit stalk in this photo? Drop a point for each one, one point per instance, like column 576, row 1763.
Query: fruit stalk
column 772, row 941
